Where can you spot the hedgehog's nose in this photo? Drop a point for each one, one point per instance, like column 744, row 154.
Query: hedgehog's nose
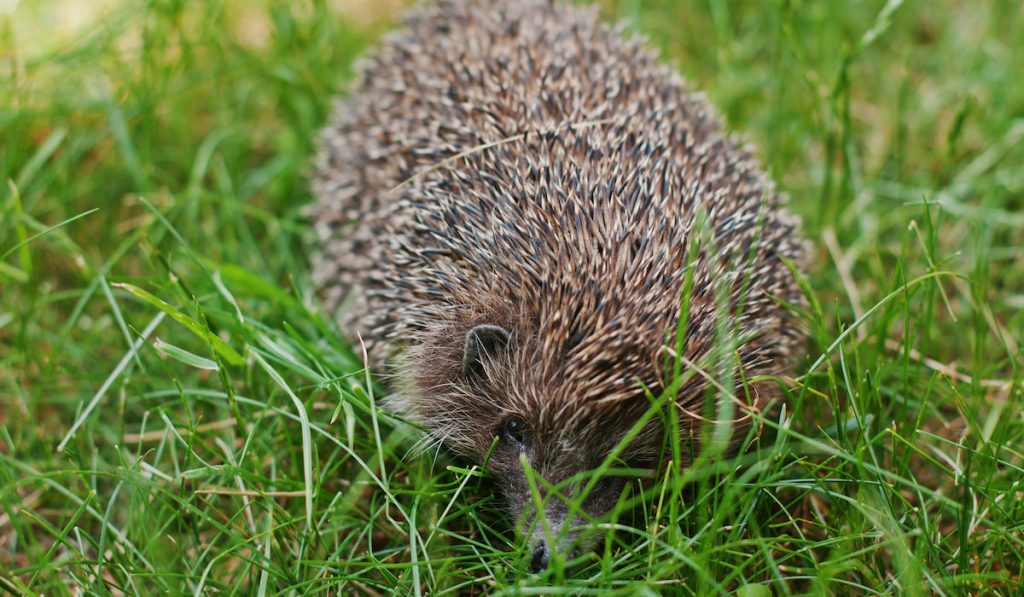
column 541, row 555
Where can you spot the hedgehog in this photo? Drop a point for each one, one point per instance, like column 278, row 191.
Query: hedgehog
column 508, row 203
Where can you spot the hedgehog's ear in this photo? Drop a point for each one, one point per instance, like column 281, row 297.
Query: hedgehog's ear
column 482, row 342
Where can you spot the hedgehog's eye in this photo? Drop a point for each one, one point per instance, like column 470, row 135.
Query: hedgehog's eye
column 608, row 484
column 516, row 432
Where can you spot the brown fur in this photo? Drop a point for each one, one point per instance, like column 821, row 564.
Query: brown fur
column 521, row 164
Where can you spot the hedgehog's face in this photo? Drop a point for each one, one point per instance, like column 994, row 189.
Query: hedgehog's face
column 546, row 452
column 543, row 470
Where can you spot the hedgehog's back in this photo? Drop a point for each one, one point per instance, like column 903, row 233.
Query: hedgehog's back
column 519, row 158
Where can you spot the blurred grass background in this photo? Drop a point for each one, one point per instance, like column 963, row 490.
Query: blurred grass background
column 154, row 159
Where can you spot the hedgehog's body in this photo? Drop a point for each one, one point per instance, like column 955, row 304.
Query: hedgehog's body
column 505, row 204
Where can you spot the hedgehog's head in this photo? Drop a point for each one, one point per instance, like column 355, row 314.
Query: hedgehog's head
column 543, row 425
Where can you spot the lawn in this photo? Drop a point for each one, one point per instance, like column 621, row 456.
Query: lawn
column 178, row 416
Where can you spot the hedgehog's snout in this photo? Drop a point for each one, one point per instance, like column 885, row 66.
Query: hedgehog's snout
column 560, row 532
column 567, row 545
column 541, row 557
column 565, row 541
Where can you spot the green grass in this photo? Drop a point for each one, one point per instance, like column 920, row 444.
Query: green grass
column 152, row 171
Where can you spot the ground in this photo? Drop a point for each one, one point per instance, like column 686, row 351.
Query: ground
column 177, row 415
